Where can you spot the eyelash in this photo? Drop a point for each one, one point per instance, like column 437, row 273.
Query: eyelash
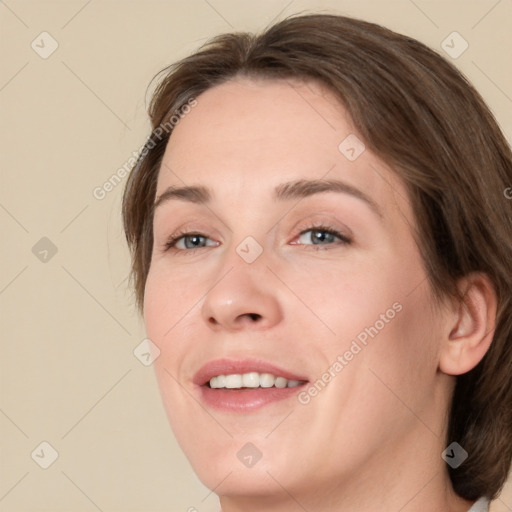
column 343, row 239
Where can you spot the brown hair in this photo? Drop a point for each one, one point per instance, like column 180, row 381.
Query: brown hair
column 420, row 115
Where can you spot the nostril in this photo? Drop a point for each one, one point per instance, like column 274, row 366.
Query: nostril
column 254, row 316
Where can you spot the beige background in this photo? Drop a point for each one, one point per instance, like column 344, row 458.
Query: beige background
column 68, row 122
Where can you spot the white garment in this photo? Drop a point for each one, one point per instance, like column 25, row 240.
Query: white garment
column 482, row 505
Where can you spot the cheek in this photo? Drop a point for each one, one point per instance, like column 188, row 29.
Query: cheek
column 171, row 317
column 389, row 314
column 168, row 297
column 387, row 380
column 403, row 357
column 408, row 355
column 165, row 314
column 342, row 298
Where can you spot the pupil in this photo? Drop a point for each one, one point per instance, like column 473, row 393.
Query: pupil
column 195, row 240
column 321, row 235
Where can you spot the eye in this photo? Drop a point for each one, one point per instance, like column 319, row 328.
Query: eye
column 322, row 235
column 316, row 236
column 186, row 241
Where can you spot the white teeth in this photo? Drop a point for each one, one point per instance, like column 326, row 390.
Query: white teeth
column 281, row 382
column 218, row 382
column 267, row 380
column 251, row 380
column 233, row 381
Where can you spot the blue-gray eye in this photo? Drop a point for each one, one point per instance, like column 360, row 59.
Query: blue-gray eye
column 322, row 236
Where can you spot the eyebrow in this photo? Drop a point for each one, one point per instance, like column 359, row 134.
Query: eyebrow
column 298, row 189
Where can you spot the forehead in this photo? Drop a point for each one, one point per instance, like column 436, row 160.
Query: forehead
column 255, row 134
column 268, row 121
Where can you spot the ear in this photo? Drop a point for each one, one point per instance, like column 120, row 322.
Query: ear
column 471, row 326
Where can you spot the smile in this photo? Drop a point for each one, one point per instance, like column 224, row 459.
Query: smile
column 244, row 385
column 251, row 380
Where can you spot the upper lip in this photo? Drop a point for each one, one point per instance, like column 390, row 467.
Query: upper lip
column 241, row 366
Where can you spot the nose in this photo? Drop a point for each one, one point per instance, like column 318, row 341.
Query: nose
column 244, row 298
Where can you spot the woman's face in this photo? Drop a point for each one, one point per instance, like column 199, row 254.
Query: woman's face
column 282, row 279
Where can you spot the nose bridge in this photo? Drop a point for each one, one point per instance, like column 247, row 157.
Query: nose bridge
column 243, row 292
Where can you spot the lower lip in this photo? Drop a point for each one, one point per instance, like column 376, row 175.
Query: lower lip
column 243, row 400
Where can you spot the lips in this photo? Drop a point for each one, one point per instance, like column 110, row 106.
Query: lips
column 230, row 392
column 230, row 367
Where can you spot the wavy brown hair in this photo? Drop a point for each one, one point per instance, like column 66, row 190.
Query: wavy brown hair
column 421, row 116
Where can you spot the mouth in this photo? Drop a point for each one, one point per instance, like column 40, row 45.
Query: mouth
column 251, row 380
column 245, row 384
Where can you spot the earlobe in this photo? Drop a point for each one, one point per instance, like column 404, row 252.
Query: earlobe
column 472, row 327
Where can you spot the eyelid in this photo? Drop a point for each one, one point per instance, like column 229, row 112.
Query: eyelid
column 344, row 239
column 190, row 228
column 184, row 232
column 320, row 220
column 323, row 221
column 171, row 241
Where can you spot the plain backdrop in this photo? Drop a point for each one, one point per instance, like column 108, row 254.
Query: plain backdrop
column 69, row 120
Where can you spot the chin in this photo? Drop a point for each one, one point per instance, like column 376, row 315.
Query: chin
column 247, row 482
column 239, row 467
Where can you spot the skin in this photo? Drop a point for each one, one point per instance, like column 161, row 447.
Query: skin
column 372, row 438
